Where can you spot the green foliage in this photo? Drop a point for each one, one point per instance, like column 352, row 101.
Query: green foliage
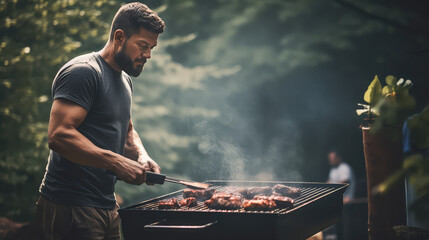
column 396, row 105
column 373, row 93
column 36, row 38
column 390, row 85
column 391, row 80
column 388, row 105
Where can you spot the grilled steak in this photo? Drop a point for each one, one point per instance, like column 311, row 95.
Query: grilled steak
column 188, row 202
column 208, row 193
column 168, row 204
column 187, row 193
column 250, row 192
column 259, row 205
column 223, row 201
column 286, row 191
column 198, row 194
column 261, row 197
column 280, row 201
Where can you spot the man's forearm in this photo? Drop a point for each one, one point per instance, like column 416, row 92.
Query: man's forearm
column 134, row 148
column 74, row 146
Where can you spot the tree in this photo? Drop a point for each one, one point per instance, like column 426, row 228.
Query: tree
column 36, row 38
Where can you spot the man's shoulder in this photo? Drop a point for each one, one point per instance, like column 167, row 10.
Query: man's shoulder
column 86, row 64
column 81, row 69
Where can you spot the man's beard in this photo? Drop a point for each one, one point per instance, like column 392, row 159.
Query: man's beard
column 126, row 64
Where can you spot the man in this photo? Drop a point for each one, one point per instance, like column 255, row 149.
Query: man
column 341, row 172
column 91, row 134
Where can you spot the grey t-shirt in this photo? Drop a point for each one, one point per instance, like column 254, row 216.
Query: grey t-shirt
column 106, row 94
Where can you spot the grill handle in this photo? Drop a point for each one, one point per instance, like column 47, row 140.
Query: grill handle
column 151, row 177
column 159, row 226
column 156, row 178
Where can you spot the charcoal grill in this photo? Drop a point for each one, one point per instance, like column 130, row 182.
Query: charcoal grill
column 319, row 206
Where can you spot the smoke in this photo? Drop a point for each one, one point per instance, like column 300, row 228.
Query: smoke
column 239, row 152
column 231, row 159
column 285, row 150
column 223, row 159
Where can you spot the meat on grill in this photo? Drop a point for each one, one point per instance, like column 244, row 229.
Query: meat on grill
column 168, row 204
column 280, row 201
column 284, row 190
column 188, row 202
column 261, row 197
column 259, row 205
column 223, row 201
column 198, row 194
column 250, row 192
column 257, row 198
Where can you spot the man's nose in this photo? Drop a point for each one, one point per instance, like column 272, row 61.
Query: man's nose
column 147, row 54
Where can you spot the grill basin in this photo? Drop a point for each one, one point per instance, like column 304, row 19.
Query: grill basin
column 318, row 207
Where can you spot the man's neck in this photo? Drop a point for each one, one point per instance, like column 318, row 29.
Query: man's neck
column 107, row 53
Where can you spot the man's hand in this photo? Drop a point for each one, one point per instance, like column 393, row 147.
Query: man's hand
column 131, row 172
column 149, row 165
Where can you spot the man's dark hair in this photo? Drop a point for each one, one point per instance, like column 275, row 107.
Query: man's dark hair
column 133, row 16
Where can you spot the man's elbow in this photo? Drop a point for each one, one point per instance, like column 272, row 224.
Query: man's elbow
column 55, row 140
column 52, row 141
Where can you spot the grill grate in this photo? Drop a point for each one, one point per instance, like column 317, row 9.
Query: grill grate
column 308, row 194
column 318, row 206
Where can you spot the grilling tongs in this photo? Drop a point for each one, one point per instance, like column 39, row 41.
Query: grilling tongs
column 152, row 177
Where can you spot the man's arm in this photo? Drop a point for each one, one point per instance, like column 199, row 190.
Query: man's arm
column 65, row 139
column 135, row 150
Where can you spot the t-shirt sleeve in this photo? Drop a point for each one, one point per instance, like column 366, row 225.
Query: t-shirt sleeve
column 77, row 83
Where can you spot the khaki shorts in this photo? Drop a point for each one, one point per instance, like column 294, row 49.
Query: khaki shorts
column 57, row 221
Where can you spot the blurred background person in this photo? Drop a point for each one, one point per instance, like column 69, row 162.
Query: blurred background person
column 341, row 172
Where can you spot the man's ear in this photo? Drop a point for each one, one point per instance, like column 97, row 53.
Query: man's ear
column 119, row 37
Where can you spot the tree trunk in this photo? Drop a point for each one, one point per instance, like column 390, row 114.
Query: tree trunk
column 383, row 157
